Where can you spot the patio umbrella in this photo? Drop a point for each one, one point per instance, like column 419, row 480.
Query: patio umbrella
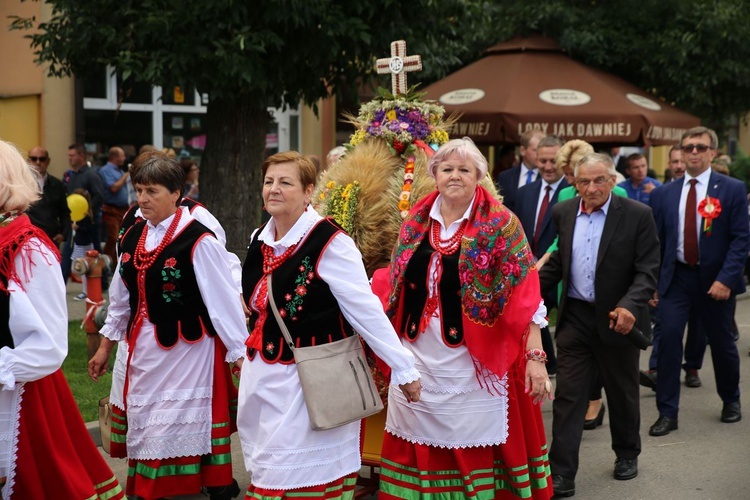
column 527, row 83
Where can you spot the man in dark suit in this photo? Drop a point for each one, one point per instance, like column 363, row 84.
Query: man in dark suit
column 509, row 181
column 534, row 204
column 703, row 229
column 50, row 213
column 608, row 259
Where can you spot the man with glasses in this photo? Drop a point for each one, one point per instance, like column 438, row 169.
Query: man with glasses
column 607, row 259
column 50, row 213
column 705, row 238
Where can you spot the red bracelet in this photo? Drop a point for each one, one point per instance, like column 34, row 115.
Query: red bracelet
column 536, row 355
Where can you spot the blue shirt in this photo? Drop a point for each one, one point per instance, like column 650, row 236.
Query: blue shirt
column 110, row 173
column 637, row 193
column 587, row 235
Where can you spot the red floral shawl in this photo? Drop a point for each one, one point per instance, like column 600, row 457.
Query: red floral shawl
column 13, row 236
column 499, row 281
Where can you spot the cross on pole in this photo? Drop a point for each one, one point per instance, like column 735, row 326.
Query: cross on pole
column 398, row 65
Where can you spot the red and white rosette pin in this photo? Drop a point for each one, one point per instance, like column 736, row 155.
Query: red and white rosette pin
column 709, row 209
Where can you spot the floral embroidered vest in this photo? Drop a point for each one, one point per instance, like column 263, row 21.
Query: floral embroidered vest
column 173, row 301
column 415, row 300
column 305, row 301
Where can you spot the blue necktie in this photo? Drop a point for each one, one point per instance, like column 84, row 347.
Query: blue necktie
column 529, row 174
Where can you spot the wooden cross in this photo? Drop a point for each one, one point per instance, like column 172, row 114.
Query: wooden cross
column 398, row 65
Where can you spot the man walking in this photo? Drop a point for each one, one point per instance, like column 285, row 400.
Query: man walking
column 705, row 238
column 607, row 259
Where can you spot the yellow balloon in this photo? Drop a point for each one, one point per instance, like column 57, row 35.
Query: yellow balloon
column 78, row 206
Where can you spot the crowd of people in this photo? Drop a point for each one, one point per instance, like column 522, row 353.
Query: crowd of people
column 462, row 328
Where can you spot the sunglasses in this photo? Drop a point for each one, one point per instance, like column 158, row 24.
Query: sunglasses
column 38, row 158
column 701, row 148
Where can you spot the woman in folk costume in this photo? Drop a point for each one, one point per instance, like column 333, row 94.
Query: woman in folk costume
column 321, row 290
column 465, row 300
column 178, row 307
column 119, row 368
column 61, row 461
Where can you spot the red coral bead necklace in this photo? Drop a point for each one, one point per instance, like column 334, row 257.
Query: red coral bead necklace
column 142, row 258
column 449, row 246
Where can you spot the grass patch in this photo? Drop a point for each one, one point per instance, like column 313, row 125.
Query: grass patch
column 86, row 392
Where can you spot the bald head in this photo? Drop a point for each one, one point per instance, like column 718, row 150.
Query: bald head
column 116, row 156
column 39, row 159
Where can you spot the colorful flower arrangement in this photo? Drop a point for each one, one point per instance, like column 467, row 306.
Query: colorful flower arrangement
column 401, row 121
column 403, row 203
column 340, row 202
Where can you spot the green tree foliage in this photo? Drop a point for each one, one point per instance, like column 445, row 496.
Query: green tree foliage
column 248, row 55
column 691, row 53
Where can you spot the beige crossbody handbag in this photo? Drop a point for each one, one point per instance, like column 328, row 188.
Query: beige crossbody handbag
column 336, row 381
column 105, row 423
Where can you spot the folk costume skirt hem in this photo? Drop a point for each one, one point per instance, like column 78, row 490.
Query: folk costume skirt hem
column 166, row 477
column 340, row 489
column 61, row 461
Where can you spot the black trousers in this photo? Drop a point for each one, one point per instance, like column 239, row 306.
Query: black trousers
column 579, row 351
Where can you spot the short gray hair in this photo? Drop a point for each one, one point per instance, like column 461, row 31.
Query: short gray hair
column 594, row 159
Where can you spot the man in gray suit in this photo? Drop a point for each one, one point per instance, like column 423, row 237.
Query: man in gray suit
column 608, row 260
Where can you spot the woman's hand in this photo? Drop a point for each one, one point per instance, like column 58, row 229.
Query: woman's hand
column 412, row 390
column 97, row 365
column 538, row 385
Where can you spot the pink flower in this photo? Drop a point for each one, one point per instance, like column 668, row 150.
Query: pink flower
column 170, row 262
column 453, row 332
column 288, row 297
column 310, row 275
column 269, row 347
column 282, row 313
column 482, row 260
column 301, row 290
column 125, row 257
column 301, row 268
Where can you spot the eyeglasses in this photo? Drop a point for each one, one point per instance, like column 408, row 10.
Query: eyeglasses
column 701, row 148
column 38, row 158
column 598, row 182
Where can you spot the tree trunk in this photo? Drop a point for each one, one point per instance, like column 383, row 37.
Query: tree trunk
column 230, row 171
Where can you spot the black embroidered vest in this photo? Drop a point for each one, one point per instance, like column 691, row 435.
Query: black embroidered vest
column 129, row 219
column 173, row 300
column 6, row 339
column 305, row 302
column 416, row 293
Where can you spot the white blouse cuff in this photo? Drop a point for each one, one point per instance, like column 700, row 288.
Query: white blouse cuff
column 540, row 316
column 234, row 355
column 401, row 377
column 111, row 333
column 7, row 378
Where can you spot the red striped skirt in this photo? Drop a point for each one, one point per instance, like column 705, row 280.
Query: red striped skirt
column 517, row 469
column 342, row 488
column 61, row 461
column 187, row 475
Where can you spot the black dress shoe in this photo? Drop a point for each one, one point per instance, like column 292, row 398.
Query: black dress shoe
column 731, row 413
column 562, row 486
column 648, row 379
column 692, row 379
column 592, row 424
column 663, row 426
column 626, row 468
column 224, row 492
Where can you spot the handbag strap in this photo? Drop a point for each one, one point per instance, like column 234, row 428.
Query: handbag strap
column 282, row 325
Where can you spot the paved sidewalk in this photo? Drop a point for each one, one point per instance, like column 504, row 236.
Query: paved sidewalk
column 704, row 460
